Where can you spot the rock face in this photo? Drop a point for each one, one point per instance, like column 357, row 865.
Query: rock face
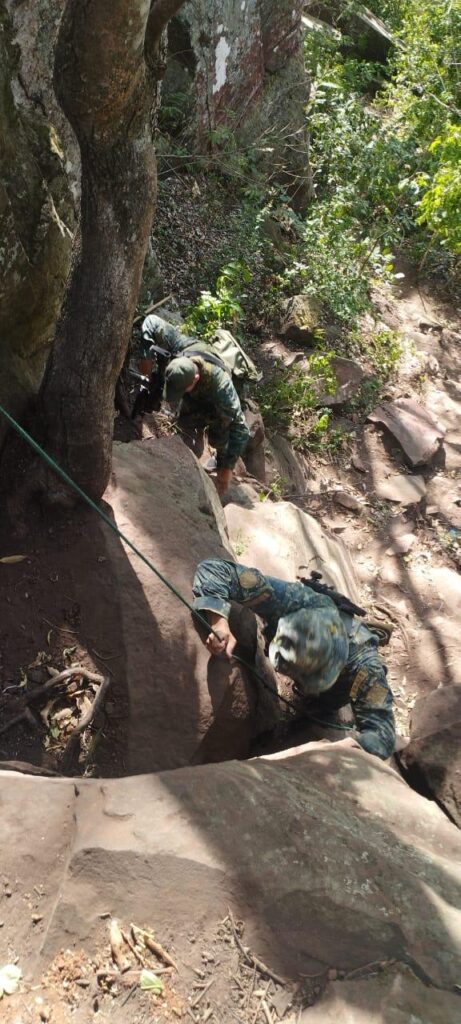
column 392, row 998
column 245, row 65
column 36, row 208
column 184, row 707
column 278, row 538
column 414, row 428
column 300, row 317
column 402, row 488
column 328, row 857
column 433, row 756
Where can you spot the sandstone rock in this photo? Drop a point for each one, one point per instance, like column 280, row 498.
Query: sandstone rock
column 183, row 706
column 349, row 376
column 300, row 317
column 244, row 65
column 414, row 428
column 279, row 538
column 327, row 856
column 287, row 466
column 349, row 501
column 254, row 454
column 444, row 495
column 433, row 756
column 393, row 997
column 405, row 489
column 402, row 544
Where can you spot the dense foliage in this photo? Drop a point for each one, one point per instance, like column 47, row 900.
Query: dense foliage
column 386, row 183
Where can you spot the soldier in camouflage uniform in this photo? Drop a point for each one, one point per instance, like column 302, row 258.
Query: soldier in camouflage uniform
column 331, row 656
column 207, row 395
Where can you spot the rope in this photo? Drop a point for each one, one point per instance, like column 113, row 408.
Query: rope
column 109, row 522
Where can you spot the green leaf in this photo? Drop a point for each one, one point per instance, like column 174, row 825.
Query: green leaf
column 150, row 982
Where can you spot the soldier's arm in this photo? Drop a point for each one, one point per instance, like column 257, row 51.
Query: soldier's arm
column 372, row 702
column 156, row 331
column 236, row 434
column 217, row 583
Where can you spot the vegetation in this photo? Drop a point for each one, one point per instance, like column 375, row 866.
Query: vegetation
column 386, row 173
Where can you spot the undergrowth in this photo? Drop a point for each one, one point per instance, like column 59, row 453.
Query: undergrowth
column 386, row 181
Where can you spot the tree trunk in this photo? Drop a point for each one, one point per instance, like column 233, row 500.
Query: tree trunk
column 107, row 68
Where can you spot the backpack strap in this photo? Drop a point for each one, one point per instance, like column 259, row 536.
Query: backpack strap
column 207, row 356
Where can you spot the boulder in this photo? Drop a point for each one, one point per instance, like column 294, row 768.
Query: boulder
column 402, row 488
column 329, row 858
column 433, row 756
column 243, row 64
column 413, row 426
column 279, row 538
column 349, row 376
column 392, row 997
column 300, row 316
column 183, row 707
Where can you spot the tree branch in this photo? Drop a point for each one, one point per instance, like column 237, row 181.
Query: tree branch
column 160, row 13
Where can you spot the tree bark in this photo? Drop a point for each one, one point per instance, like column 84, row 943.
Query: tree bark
column 107, row 69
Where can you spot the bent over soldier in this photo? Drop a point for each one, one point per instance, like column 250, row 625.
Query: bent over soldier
column 203, row 386
column 331, row 655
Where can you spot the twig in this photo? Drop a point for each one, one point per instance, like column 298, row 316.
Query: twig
column 267, row 1012
column 261, row 1001
column 201, row 994
column 253, row 960
column 116, row 947
column 365, row 967
column 134, row 951
column 39, row 691
column 128, row 995
column 153, row 945
column 150, row 309
column 71, row 746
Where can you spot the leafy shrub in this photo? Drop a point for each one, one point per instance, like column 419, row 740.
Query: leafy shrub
column 223, row 308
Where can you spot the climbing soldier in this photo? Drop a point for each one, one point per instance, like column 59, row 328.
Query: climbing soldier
column 330, row 655
column 203, row 382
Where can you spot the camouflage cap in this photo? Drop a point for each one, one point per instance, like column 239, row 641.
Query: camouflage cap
column 179, row 374
column 311, row 646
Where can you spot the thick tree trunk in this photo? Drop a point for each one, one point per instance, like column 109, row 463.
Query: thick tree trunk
column 107, row 91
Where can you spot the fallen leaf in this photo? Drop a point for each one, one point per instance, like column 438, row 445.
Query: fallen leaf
column 10, row 976
column 10, row 559
column 150, row 982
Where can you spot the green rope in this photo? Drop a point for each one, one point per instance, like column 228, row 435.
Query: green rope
column 109, row 522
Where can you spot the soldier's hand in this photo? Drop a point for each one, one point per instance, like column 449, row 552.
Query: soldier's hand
column 222, row 643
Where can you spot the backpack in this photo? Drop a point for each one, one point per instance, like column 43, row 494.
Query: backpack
column 224, row 350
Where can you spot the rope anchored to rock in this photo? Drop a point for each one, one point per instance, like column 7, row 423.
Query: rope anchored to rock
column 50, row 462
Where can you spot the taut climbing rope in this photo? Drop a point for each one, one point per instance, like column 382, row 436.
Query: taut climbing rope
column 113, row 526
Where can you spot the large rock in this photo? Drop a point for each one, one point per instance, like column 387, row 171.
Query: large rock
column 300, row 317
column 36, row 208
column 184, row 707
column 327, row 856
column 413, row 426
column 244, row 64
column 390, row 998
column 403, row 488
column 433, row 756
column 279, row 538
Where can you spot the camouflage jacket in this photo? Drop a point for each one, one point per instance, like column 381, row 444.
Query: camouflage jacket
column 362, row 682
column 156, row 331
column 214, row 398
